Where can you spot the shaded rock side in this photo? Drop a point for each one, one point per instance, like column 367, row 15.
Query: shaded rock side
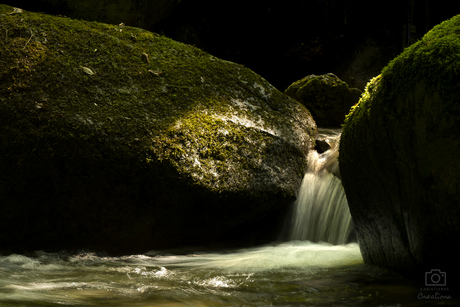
column 327, row 97
column 115, row 138
column 400, row 158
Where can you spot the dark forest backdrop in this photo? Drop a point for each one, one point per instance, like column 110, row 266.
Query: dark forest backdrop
column 281, row 40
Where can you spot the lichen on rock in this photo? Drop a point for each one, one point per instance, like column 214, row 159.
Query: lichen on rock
column 104, row 149
column 400, row 158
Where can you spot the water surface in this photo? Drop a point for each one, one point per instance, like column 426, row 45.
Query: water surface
column 296, row 273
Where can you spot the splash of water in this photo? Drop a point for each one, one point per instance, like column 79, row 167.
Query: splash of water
column 321, row 213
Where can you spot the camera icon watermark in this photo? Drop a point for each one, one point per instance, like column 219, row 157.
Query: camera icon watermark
column 435, row 278
column 435, row 286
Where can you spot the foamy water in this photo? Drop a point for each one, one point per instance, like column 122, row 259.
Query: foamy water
column 88, row 279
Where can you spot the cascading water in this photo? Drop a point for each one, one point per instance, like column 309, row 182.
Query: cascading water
column 321, row 212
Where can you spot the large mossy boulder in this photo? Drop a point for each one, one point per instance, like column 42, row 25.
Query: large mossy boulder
column 400, row 158
column 115, row 138
column 327, row 97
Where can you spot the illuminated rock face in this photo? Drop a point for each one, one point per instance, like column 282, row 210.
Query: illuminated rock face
column 115, row 138
column 400, row 158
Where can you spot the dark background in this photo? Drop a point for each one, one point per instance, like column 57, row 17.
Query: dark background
column 284, row 41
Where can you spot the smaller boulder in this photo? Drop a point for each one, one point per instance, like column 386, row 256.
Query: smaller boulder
column 327, row 97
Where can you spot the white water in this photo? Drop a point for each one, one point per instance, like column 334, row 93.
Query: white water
column 320, row 213
column 247, row 277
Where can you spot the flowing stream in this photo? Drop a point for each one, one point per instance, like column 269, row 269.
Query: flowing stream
column 318, row 266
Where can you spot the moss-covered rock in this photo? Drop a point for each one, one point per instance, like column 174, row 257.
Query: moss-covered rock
column 327, row 97
column 117, row 138
column 400, row 158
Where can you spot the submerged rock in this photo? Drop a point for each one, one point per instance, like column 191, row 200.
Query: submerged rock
column 400, row 158
column 327, row 97
column 115, row 138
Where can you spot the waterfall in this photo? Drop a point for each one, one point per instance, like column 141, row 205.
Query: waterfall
column 320, row 213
